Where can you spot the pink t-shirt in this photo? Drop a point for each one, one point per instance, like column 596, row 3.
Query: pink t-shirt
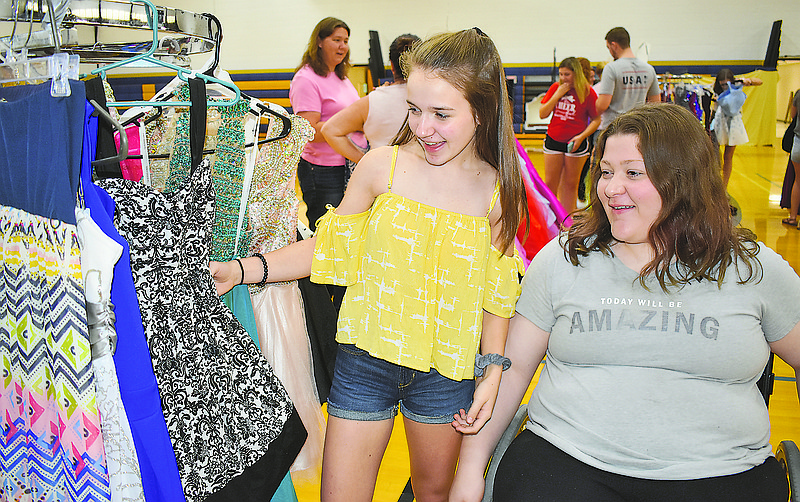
column 326, row 95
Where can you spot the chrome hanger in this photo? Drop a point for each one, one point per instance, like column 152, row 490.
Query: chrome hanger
column 183, row 73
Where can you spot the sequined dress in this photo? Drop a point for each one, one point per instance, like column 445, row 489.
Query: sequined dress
column 278, row 307
column 227, row 138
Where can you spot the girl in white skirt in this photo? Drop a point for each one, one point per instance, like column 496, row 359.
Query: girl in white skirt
column 727, row 124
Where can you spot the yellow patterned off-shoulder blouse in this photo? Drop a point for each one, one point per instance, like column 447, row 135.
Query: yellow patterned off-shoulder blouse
column 418, row 279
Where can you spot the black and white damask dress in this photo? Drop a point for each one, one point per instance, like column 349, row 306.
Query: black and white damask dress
column 234, row 429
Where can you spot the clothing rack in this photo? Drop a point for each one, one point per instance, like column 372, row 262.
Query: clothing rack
column 186, row 32
column 194, row 33
column 669, row 78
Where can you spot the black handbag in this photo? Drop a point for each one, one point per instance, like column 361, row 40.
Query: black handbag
column 788, row 136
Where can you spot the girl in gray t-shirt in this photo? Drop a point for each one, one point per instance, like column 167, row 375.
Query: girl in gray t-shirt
column 657, row 317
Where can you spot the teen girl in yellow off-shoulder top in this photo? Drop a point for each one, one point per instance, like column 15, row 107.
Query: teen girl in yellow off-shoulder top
column 424, row 242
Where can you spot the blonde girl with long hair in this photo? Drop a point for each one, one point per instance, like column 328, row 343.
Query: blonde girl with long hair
column 571, row 101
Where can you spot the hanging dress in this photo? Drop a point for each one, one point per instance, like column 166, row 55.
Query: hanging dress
column 51, row 446
column 226, row 135
column 97, row 89
column 99, row 254
column 233, row 427
column 160, row 133
column 137, row 383
column 273, row 222
column 278, row 307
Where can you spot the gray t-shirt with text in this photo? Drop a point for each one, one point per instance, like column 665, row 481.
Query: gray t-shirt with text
column 629, row 81
column 655, row 385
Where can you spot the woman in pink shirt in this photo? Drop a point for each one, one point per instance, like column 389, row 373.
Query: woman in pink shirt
column 319, row 89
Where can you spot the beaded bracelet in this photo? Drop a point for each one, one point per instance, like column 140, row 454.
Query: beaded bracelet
column 484, row 360
column 264, row 264
column 241, row 267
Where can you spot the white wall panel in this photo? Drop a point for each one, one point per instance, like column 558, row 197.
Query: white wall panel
column 273, row 35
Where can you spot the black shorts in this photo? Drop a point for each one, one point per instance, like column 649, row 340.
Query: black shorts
column 552, row 146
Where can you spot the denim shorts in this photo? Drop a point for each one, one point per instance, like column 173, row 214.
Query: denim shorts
column 367, row 388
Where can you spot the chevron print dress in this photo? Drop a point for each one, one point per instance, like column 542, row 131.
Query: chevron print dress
column 51, row 448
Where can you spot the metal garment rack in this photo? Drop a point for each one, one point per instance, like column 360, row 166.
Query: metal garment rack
column 186, row 33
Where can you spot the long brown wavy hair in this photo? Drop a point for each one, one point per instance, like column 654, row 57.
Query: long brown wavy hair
column 694, row 229
column 313, row 55
column 468, row 60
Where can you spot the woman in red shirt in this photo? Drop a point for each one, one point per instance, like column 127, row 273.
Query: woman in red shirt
column 571, row 100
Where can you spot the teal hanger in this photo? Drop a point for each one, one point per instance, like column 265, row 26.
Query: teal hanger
column 183, row 73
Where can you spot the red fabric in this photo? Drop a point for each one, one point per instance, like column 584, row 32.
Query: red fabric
column 538, row 233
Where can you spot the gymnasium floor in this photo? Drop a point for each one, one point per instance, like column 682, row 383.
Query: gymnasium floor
column 756, row 186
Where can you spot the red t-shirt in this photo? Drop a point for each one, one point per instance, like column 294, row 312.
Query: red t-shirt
column 570, row 116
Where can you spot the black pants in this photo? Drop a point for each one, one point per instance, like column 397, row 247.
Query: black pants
column 321, row 185
column 534, row 470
